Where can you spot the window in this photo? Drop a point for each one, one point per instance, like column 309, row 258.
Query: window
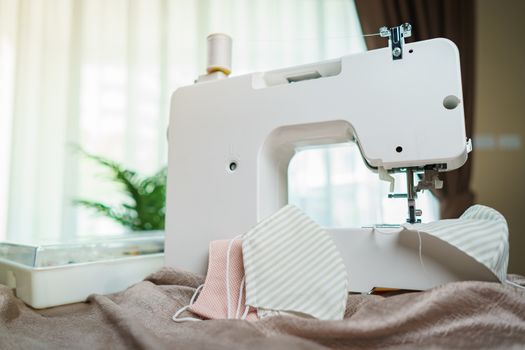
column 98, row 74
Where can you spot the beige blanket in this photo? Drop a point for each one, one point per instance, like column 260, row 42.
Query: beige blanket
column 457, row 315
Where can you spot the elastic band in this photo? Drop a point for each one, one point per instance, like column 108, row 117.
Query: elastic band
column 245, row 314
column 515, row 284
column 241, row 289
column 184, row 308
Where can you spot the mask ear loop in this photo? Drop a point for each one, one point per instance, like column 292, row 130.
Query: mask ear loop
column 241, row 289
column 184, row 308
column 514, row 284
column 245, row 314
column 247, row 308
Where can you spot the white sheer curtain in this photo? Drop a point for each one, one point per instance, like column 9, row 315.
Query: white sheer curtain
column 99, row 73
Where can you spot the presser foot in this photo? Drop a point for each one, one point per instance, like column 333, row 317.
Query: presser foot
column 430, row 180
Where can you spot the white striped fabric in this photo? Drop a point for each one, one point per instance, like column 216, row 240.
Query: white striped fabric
column 481, row 232
column 292, row 265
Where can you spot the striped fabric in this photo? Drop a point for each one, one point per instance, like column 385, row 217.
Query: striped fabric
column 481, row 232
column 292, row 265
column 212, row 301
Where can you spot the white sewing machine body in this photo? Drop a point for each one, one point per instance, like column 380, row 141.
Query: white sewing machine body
column 231, row 140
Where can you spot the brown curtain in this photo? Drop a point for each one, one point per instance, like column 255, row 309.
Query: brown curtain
column 452, row 19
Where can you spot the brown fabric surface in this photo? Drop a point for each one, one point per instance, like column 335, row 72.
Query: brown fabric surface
column 452, row 19
column 457, row 315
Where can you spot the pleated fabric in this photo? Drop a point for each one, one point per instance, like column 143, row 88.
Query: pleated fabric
column 292, row 265
column 481, row 232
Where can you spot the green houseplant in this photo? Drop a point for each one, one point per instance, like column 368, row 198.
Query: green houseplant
column 144, row 210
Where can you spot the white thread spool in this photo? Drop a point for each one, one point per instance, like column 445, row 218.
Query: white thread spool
column 219, row 53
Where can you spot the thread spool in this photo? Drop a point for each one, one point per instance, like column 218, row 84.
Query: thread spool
column 219, row 53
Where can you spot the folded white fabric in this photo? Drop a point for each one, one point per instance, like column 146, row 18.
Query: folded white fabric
column 481, row 232
column 292, row 265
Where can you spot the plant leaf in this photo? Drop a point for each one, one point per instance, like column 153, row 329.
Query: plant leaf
column 146, row 210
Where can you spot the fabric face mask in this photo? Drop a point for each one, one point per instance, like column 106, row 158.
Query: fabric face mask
column 212, row 302
column 481, row 232
column 293, row 265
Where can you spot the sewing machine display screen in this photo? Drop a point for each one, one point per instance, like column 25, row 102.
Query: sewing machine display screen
column 333, row 185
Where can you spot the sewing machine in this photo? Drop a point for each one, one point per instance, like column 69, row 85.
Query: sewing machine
column 231, row 140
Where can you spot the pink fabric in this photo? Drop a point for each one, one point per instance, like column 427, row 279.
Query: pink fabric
column 212, row 301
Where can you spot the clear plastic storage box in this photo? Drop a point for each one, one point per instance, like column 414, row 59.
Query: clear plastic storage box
column 46, row 275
